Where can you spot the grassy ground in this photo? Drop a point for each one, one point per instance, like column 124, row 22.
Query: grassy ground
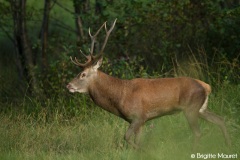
column 63, row 130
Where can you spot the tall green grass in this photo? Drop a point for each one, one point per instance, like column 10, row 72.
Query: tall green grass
column 77, row 129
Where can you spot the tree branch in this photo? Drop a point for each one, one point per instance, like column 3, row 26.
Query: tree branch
column 66, row 9
column 62, row 25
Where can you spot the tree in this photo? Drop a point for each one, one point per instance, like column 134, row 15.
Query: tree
column 80, row 7
column 44, row 32
column 22, row 44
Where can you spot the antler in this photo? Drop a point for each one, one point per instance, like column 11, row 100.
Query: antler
column 107, row 35
column 91, row 58
column 93, row 38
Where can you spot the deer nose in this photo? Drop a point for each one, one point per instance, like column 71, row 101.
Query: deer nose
column 68, row 86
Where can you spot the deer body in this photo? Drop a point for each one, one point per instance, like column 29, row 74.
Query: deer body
column 139, row 100
column 145, row 98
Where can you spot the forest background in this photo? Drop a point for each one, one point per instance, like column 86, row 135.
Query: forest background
column 152, row 38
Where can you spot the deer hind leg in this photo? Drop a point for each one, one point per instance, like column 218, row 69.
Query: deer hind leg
column 213, row 118
column 192, row 118
column 134, row 130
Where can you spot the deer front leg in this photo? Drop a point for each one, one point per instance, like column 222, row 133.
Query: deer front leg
column 134, row 130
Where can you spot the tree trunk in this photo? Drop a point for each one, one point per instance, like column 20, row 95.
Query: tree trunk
column 44, row 33
column 22, row 44
column 80, row 8
column 98, row 7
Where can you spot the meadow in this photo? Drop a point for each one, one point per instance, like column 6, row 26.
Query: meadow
column 74, row 128
column 151, row 39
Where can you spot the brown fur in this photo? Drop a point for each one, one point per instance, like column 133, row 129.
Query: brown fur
column 206, row 86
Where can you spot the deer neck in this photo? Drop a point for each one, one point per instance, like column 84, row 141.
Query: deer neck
column 106, row 91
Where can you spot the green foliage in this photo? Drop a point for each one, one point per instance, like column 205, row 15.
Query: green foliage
column 125, row 68
column 164, row 31
column 223, row 34
column 55, row 78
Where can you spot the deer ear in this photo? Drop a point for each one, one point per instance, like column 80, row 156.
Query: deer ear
column 98, row 64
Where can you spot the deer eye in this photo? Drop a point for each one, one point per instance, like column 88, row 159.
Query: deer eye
column 83, row 75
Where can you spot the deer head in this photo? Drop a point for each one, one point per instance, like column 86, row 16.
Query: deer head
column 81, row 82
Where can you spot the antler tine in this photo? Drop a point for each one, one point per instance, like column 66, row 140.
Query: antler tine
column 76, row 62
column 106, row 38
column 83, row 53
column 93, row 38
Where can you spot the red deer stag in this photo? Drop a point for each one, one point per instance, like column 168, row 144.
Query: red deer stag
column 139, row 100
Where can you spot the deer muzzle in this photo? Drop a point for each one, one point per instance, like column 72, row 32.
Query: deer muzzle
column 70, row 88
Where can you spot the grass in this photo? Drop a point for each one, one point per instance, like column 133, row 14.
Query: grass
column 62, row 130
